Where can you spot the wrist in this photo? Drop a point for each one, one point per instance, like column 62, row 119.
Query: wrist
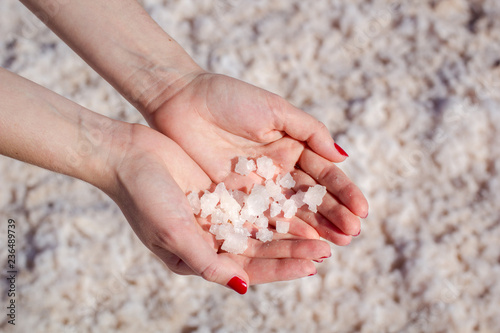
column 156, row 79
column 102, row 147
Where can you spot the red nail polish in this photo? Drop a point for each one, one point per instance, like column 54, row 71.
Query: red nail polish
column 318, row 260
column 358, row 233
column 238, row 285
column 341, row 151
column 313, row 274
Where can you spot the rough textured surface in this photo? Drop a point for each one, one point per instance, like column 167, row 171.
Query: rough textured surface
column 409, row 88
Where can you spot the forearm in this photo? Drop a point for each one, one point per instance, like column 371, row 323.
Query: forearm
column 123, row 44
column 42, row 128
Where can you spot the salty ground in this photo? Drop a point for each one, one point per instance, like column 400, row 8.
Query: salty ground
column 411, row 89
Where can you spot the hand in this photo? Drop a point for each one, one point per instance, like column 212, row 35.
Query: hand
column 152, row 178
column 215, row 118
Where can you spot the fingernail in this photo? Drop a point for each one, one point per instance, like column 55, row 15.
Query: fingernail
column 341, row 151
column 238, row 285
column 313, row 273
column 366, row 215
column 318, row 260
column 326, row 257
column 358, row 233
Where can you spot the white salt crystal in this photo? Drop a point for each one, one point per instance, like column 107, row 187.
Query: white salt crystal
column 245, row 215
column 230, row 206
column 244, row 166
column 299, row 198
column 287, row 181
column 265, row 167
column 208, row 202
column 218, row 217
column 282, row 227
column 214, row 228
column 261, row 222
column 235, row 243
column 289, row 208
column 239, row 196
column 237, row 222
column 242, row 231
column 258, row 201
column 274, row 190
column 220, row 189
column 264, row 235
column 194, row 201
column 314, row 197
column 275, row 209
column 221, row 231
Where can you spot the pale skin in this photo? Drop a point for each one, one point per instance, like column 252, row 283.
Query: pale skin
column 201, row 123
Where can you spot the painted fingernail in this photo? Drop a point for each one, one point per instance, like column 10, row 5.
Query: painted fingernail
column 238, row 285
column 341, row 151
column 358, row 233
column 313, row 273
column 318, row 260
column 326, row 257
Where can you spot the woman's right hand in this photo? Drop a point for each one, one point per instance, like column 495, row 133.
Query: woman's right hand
column 151, row 179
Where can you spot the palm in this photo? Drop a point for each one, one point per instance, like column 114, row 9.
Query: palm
column 155, row 174
column 216, row 119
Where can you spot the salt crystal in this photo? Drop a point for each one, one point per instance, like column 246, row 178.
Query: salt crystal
column 258, row 201
column 245, row 215
column 214, row 228
column 244, row 166
column 264, row 235
column 265, row 167
column 287, row 181
column 221, row 231
column 230, row 206
column 282, row 227
column 194, row 201
column 275, row 209
column 239, row 196
column 220, row 189
column 314, row 197
column 235, row 243
column 242, row 231
column 274, row 190
column 261, row 222
column 289, row 208
column 208, row 202
column 218, row 217
column 237, row 222
column 298, row 198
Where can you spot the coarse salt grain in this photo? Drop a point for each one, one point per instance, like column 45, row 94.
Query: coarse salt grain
column 244, row 166
column 265, row 167
column 282, row 227
column 229, row 210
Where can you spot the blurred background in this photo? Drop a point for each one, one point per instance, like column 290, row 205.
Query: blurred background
column 411, row 89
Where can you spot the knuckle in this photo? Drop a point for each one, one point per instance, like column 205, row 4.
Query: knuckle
column 210, row 273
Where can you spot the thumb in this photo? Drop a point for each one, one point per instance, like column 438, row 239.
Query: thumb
column 202, row 259
column 304, row 127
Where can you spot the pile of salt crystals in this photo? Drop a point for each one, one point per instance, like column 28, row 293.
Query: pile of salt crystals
column 229, row 210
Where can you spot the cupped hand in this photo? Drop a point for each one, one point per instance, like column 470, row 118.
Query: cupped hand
column 152, row 177
column 215, row 119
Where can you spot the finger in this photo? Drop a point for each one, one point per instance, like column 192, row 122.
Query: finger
column 304, row 127
column 271, row 270
column 326, row 229
column 293, row 248
column 335, row 180
column 183, row 240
